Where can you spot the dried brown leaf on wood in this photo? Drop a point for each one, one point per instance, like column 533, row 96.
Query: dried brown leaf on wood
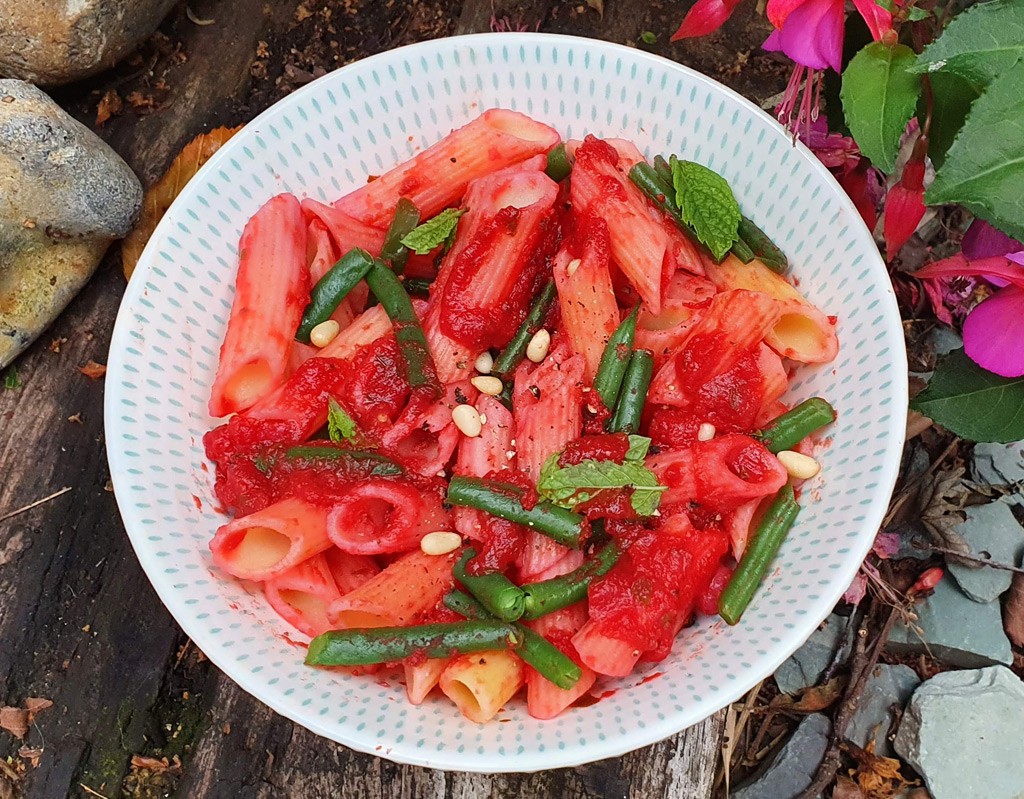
column 14, row 720
column 941, row 501
column 598, row 6
column 93, row 370
column 1013, row 611
column 813, row 699
column 31, row 754
column 846, row 789
column 109, row 105
column 158, row 765
column 159, row 198
column 35, row 705
column 877, row 777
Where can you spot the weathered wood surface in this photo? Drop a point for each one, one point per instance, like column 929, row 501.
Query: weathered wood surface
column 80, row 624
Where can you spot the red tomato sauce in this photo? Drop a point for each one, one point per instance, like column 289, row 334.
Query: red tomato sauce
column 601, row 447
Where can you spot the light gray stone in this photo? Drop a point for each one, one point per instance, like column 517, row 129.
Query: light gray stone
column 807, row 665
column 954, row 629
column 962, row 732
column 998, row 464
column 58, row 42
column 945, row 340
column 887, row 686
column 994, row 534
column 64, row 196
column 793, row 768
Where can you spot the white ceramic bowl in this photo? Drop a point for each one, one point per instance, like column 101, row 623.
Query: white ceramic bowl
column 322, row 141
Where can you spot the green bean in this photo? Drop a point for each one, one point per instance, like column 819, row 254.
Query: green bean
column 418, row 286
column 502, row 500
column 385, row 466
column 412, row 344
column 663, row 169
column 762, row 246
column 407, row 216
column 362, row 647
column 647, row 179
column 515, row 350
column 332, row 288
column 559, row 163
column 548, row 596
column 761, row 551
column 615, row 359
column 498, row 594
column 742, row 251
column 549, row 661
column 792, row 427
column 630, row 405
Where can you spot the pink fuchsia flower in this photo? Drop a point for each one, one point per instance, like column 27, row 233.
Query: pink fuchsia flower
column 992, row 330
column 810, row 32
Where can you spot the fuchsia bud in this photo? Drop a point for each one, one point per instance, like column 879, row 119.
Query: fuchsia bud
column 904, row 205
column 927, row 581
column 704, row 17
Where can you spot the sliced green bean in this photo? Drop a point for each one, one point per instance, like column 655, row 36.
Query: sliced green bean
column 407, row 216
column 499, row 595
column 465, row 605
column 332, row 288
column 559, row 163
column 761, row 551
column 363, row 647
column 762, row 247
column 515, row 350
column 664, row 169
column 742, row 251
column 615, row 359
column 412, row 344
column 502, row 500
column 792, row 427
column 418, row 286
column 647, row 179
column 384, row 465
column 630, row 405
column 547, row 596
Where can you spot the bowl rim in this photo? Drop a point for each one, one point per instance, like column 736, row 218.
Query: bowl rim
column 612, row 746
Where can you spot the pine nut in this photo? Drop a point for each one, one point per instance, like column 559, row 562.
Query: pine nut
column 572, row 266
column 324, row 333
column 539, row 345
column 706, row 432
column 440, row 543
column 467, row 420
column 484, row 363
column 485, row 384
column 799, row 466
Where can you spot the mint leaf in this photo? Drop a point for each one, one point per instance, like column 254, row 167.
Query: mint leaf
column 879, row 96
column 11, row 379
column 984, row 169
column 434, row 232
column 973, row 403
column 340, row 426
column 638, row 446
column 952, row 96
column 707, row 204
column 568, row 486
column 979, row 44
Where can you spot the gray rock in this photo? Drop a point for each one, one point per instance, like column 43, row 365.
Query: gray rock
column 962, row 732
column 998, row 464
column 994, row 534
column 887, row 686
column 64, row 196
column 807, row 665
column 945, row 340
column 793, row 768
column 956, row 630
column 58, row 42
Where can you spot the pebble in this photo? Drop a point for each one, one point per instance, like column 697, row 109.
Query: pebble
column 992, row 532
column 888, row 687
column 962, row 732
column 57, row 42
column 793, row 767
column 66, row 196
column 999, row 464
column 954, row 629
column 807, row 665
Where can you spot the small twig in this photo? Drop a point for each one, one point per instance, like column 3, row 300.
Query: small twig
column 8, row 772
column 981, row 561
column 90, row 791
column 35, row 504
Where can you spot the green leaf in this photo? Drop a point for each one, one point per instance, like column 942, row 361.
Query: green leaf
column 707, row 204
column 979, row 44
column 879, row 96
column 917, row 14
column 952, row 100
column 11, row 379
column 972, row 402
column 340, row 426
column 434, row 232
column 984, row 169
column 568, row 486
column 648, row 37
column 638, row 446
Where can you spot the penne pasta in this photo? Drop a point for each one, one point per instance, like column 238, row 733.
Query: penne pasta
column 271, row 291
column 544, row 699
column 346, row 231
column 480, row 684
column 380, row 516
column 302, row 595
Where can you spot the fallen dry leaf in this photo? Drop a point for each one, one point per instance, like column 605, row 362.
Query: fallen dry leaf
column 159, row 198
column 877, row 777
column 14, row 720
column 93, row 370
column 35, row 705
column 153, row 764
column 813, row 699
column 598, row 6
column 846, row 789
column 31, row 754
column 110, row 105
column 1013, row 611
